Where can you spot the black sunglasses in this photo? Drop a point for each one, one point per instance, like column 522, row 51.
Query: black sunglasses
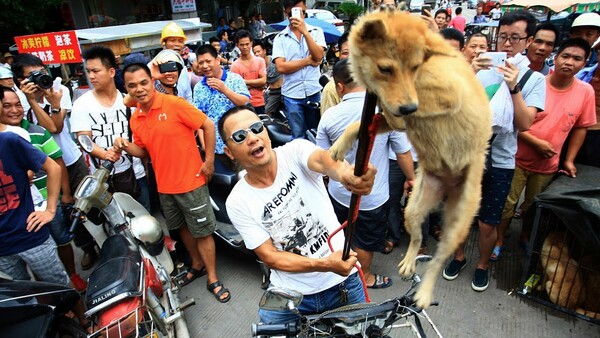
column 239, row 136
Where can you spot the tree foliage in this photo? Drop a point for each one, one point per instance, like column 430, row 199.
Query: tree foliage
column 26, row 16
column 351, row 10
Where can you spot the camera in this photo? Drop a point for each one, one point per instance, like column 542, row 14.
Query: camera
column 170, row 66
column 41, row 79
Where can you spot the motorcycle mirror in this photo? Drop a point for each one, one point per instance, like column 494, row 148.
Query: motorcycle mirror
column 86, row 143
column 279, row 299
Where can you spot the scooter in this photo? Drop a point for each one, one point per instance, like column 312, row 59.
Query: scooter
column 130, row 292
column 37, row 309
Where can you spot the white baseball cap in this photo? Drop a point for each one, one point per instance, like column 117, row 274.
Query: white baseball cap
column 587, row 19
column 5, row 73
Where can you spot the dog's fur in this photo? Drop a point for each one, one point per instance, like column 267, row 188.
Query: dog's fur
column 408, row 66
column 563, row 279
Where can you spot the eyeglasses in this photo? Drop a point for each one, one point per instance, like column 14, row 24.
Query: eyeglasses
column 513, row 39
column 239, row 136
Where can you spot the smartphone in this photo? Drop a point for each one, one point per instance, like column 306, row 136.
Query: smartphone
column 296, row 12
column 170, row 66
column 498, row 58
column 426, row 10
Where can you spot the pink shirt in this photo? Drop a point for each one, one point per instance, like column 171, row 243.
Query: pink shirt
column 251, row 71
column 564, row 110
column 458, row 22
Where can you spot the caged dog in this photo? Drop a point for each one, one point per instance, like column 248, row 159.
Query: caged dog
column 425, row 87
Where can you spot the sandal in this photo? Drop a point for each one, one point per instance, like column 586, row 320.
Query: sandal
column 518, row 214
column 436, row 232
column 218, row 294
column 381, row 282
column 195, row 274
column 496, row 254
column 389, row 247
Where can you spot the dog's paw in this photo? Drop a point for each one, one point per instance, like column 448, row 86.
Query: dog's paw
column 407, row 267
column 423, row 297
column 338, row 151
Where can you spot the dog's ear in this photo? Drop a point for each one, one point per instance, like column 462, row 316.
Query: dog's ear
column 373, row 30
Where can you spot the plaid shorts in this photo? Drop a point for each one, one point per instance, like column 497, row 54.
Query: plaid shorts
column 42, row 260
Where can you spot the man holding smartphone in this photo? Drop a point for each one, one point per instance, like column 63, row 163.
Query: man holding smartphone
column 525, row 98
column 298, row 51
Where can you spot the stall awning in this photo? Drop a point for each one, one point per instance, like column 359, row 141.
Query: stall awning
column 555, row 6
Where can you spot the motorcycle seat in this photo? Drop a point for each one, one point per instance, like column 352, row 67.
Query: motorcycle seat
column 223, row 177
column 118, row 274
column 279, row 133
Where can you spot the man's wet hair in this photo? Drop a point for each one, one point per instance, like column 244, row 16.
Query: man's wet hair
column 516, row 16
column 24, row 60
column 575, row 42
column 203, row 49
column 104, row 54
column 341, row 74
column 454, row 34
column 227, row 114
column 548, row 26
column 242, row 33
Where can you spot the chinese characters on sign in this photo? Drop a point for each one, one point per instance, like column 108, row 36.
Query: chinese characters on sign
column 58, row 47
column 181, row 6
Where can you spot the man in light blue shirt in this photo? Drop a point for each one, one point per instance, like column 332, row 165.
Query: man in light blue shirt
column 297, row 52
column 372, row 224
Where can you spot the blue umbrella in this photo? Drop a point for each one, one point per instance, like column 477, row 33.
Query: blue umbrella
column 331, row 33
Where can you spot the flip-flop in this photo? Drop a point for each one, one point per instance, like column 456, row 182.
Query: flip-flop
column 436, row 232
column 218, row 294
column 496, row 254
column 195, row 274
column 389, row 247
column 380, row 282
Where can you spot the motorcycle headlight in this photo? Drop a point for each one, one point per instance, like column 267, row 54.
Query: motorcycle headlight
column 86, row 187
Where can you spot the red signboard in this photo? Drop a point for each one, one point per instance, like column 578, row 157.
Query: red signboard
column 58, row 47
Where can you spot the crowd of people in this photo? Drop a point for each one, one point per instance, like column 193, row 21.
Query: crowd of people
column 546, row 120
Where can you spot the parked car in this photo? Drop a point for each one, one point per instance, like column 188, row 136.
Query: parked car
column 472, row 4
column 327, row 16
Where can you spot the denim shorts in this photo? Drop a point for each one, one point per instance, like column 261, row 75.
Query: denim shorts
column 192, row 209
column 495, row 188
column 319, row 302
column 59, row 227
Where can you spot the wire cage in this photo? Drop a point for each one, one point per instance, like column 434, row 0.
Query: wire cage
column 561, row 270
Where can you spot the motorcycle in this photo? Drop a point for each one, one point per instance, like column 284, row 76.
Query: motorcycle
column 130, row 291
column 37, row 309
column 356, row 320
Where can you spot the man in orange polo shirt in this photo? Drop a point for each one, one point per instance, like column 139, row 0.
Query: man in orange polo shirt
column 163, row 128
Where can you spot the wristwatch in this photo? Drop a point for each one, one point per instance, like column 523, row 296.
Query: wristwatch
column 55, row 110
column 515, row 90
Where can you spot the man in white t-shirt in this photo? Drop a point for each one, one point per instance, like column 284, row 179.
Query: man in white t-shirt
column 101, row 114
column 283, row 213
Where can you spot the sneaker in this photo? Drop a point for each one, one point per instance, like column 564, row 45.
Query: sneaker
column 480, row 280
column 453, row 269
column 78, row 283
column 88, row 259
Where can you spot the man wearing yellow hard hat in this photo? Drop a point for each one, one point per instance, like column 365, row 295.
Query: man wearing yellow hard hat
column 173, row 37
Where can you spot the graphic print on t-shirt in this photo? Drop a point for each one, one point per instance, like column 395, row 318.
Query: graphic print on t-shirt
column 9, row 198
column 292, row 226
column 106, row 127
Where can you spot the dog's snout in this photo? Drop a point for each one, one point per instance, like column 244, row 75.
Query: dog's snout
column 408, row 109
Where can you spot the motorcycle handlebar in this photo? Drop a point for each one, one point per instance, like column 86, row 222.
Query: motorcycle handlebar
column 76, row 218
column 288, row 329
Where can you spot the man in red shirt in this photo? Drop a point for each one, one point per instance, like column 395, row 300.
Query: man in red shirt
column 458, row 22
column 252, row 69
column 570, row 108
column 163, row 128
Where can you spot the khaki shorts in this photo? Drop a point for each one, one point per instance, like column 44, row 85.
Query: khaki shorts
column 192, row 209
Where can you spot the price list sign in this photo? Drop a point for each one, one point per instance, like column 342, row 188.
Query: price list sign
column 58, row 47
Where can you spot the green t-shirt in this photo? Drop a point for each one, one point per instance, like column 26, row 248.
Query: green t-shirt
column 42, row 140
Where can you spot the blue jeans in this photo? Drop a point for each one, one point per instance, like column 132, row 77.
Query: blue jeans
column 319, row 302
column 144, row 197
column 301, row 116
